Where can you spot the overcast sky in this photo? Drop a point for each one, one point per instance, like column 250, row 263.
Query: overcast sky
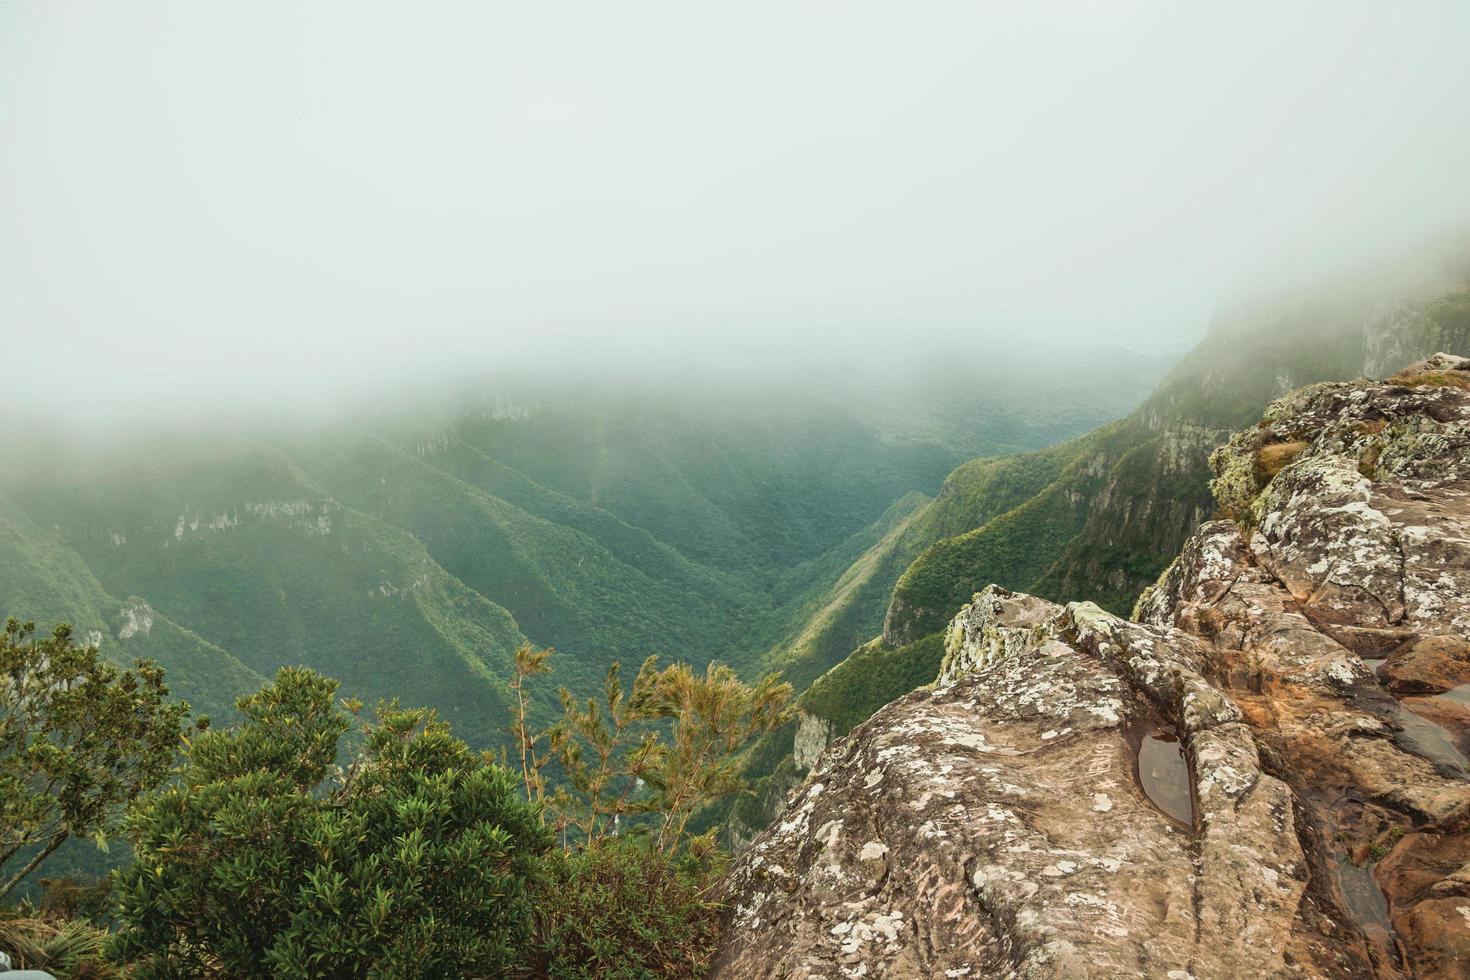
column 208, row 200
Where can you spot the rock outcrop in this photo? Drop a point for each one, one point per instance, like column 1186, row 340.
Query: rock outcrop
column 1262, row 774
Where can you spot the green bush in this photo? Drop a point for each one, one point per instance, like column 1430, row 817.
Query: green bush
column 266, row 859
column 623, row 910
column 416, row 857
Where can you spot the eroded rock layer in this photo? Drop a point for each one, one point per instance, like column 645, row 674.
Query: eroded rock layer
column 1263, row 774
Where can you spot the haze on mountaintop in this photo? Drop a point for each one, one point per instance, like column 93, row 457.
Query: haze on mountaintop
column 272, row 205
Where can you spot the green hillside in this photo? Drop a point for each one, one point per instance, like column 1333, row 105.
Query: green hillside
column 853, row 609
column 43, row 580
column 250, row 552
column 563, row 586
column 754, row 487
column 408, row 551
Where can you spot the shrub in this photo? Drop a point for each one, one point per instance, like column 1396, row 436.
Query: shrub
column 265, row 859
column 623, row 910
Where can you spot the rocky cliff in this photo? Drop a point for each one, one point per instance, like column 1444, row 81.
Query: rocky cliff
column 1262, row 774
column 1097, row 518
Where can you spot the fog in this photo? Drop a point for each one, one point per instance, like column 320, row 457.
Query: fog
column 212, row 207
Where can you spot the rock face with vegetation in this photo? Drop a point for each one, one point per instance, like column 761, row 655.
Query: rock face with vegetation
column 1262, row 774
column 1097, row 518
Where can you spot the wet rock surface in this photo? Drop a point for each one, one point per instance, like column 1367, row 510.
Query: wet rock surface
column 1024, row 817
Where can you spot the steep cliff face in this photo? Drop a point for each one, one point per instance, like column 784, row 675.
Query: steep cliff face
column 1262, row 774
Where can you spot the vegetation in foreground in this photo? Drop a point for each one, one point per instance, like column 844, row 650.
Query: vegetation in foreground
column 314, row 838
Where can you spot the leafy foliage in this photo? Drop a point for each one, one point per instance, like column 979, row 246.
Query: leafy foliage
column 529, row 662
column 266, row 859
column 665, row 747
column 420, row 858
column 623, row 910
column 79, row 740
column 628, row 899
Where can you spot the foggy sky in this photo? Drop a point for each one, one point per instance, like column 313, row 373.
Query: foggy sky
column 273, row 202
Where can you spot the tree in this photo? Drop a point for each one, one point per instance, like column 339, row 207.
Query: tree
column 604, row 758
column 265, row 859
column 632, row 898
column 665, row 748
column 528, row 663
column 713, row 715
column 79, row 741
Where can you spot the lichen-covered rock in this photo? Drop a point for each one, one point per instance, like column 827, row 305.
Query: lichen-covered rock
column 1439, row 368
column 1349, row 590
column 1032, row 815
column 993, row 825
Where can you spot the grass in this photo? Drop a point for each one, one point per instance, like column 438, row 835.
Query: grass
column 1433, row 379
column 69, row 948
column 1272, row 459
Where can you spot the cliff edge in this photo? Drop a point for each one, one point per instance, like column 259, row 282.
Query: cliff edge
column 1263, row 773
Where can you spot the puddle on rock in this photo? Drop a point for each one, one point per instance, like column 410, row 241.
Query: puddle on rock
column 1365, row 901
column 1356, row 891
column 1424, row 736
column 1163, row 772
column 1431, row 740
column 1460, row 694
column 1368, row 909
